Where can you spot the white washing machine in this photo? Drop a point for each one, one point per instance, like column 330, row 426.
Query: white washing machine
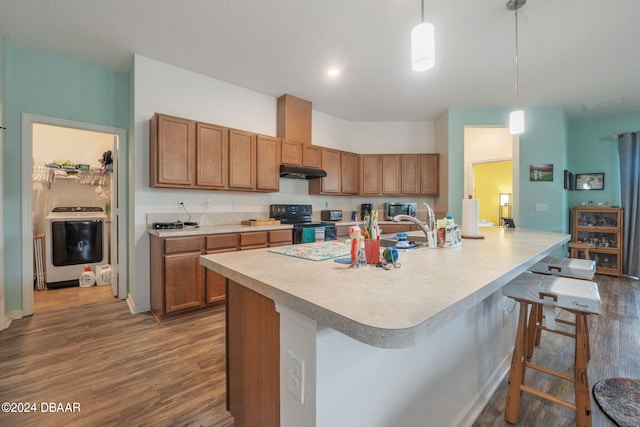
column 76, row 237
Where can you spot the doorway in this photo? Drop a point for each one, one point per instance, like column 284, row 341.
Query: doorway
column 490, row 158
column 32, row 127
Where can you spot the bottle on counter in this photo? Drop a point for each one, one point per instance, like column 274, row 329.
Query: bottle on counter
column 362, row 254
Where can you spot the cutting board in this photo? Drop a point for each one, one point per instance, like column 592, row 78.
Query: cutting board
column 261, row 221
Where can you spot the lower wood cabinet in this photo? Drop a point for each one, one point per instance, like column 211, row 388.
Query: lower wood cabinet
column 181, row 285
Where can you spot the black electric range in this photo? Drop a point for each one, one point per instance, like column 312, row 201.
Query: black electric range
column 300, row 217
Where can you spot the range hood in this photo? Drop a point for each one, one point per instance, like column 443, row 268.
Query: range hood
column 298, row 172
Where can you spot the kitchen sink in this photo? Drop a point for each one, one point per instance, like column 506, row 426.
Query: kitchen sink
column 391, row 240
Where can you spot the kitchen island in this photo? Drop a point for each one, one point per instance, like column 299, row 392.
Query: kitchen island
column 423, row 344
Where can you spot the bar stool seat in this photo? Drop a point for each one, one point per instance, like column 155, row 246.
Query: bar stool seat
column 577, row 296
column 565, row 267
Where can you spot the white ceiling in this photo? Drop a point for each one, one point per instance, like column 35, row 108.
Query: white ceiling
column 577, row 54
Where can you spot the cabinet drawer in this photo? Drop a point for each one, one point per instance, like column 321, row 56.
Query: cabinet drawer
column 254, row 239
column 222, row 241
column 182, row 244
column 282, row 237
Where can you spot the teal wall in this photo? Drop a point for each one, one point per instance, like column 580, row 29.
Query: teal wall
column 593, row 150
column 544, row 141
column 48, row 85
column 3, row 103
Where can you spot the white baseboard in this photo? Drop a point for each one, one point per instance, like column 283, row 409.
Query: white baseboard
column 133, row 308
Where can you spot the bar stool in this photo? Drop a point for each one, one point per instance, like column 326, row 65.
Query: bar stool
column 576, row 296
column 576, row 247
column 565, row 267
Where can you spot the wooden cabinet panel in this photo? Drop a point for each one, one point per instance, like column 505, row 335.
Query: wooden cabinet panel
column 371, row 166
column 253, row 240
column 182, row 244
column 291, row 153
column 253, row 352
column 280, row 237
column 349, row 173
column 602, row 229
column 212, row 156
column 429, row 174
column 268, row 163
column 390, row 174
column 410, row 173
column 183, row 282
column 294, row 119
column 242, row 160
column 331, row 163
column 222, row 242
column 311, row 156
column 172, row 152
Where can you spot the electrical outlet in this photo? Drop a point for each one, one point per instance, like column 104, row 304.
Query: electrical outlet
column 179, row 205
column 326, row 204
column 295, row 376
column 207, row 202
column 505, row 316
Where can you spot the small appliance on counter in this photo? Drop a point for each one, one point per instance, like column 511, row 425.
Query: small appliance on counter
column 393, row 209
column 365, row 210
column 331, row 215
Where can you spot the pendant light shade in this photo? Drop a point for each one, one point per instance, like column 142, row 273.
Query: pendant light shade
column 516, row 122
column 423, row 45
column 516, row 118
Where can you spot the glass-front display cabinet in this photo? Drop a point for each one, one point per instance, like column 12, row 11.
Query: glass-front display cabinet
column 601, row 228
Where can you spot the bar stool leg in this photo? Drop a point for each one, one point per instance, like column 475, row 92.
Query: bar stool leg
column 516, row 373
column 583, row 398
column 534, row 333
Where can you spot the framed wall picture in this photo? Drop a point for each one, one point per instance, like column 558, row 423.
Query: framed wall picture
column 590, row 181
column 568, row 180
column 542, row 172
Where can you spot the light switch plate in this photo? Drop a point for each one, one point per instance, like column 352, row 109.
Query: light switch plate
column 541, row 207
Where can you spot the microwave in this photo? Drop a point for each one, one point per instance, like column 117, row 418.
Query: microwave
column 393, row 209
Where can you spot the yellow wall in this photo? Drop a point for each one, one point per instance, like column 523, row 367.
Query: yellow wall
column 491, row 179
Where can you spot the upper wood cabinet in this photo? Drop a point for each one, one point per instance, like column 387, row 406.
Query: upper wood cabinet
column 298, row 154
column 429, row 174
column 294, row 119
column 331, row 163
column 371, row 174
column 311, row 156
column 390, row 174
column 291, row 153
column 212, row 156
column 172, row 152
column 268, row 164
column 350, row 173
column 410, row 173
column 242, row 160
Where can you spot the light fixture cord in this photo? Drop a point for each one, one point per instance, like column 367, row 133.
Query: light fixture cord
column 422, row 12
column 516, row 57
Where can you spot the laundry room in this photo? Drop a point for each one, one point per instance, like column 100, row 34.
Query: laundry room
column 72, row 186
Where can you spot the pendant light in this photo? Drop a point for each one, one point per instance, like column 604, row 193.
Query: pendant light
column 423, row 49
column 516, row 118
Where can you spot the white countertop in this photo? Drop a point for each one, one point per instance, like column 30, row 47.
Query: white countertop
column 394, row 308
column 216, row 229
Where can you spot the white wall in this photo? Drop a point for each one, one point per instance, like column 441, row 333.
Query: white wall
column 163, row 88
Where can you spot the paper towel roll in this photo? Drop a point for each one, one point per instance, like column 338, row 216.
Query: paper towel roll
column 470, row 217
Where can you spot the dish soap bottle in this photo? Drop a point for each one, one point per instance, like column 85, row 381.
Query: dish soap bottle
column 362, row 254
column 87, row 278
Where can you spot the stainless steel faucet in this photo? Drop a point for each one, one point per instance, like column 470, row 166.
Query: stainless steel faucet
column 423, row 227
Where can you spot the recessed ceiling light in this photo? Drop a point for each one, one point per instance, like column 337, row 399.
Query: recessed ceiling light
column 333, row 72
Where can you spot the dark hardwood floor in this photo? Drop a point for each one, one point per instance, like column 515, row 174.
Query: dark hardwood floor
column 123, row 369
column 127, row 370
column 615, row 345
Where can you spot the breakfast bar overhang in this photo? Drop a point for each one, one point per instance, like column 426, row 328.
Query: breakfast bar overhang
column 423, row 344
